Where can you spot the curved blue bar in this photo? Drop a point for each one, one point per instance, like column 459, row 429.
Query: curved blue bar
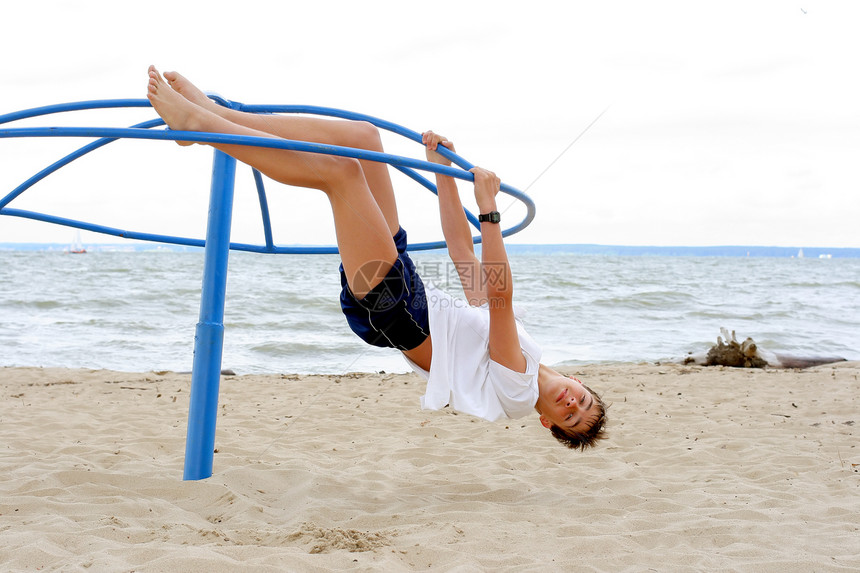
column 104, row 230
column 229, row 139
column 264, row 209
column 73, row 106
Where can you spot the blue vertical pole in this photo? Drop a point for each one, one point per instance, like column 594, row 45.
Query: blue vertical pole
column 209, row 337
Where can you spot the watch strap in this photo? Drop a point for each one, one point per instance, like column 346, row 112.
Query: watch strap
column 491, row 217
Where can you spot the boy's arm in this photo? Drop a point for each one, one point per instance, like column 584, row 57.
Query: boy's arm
column 504, row 340
column 455, row 226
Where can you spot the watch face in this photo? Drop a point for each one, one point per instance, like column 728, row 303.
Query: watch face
column 491, row 217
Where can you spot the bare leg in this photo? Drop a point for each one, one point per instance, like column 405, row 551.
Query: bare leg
column 360, row 135
column 363, row 235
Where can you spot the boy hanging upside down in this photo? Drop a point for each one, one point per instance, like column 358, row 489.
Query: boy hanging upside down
column 475, row 355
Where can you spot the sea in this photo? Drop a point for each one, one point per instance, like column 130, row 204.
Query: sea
column 136, row 311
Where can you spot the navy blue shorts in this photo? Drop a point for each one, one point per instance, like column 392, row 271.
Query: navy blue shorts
column 394, row 312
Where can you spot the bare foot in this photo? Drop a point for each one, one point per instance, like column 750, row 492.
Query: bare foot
column 176, row 111
column 189, row 91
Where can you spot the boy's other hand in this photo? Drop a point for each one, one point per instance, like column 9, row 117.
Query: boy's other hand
column 487, row 186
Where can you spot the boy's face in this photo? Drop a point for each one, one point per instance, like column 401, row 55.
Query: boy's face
column 566, row 403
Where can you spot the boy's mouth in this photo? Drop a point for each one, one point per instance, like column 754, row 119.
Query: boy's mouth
column 561, row 396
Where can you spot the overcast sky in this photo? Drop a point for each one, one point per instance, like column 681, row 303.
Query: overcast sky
column 725, row 122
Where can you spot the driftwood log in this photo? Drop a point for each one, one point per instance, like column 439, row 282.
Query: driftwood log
column 730, row 353
column 747, row 354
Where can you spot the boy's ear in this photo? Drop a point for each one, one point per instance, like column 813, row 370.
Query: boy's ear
column 546, row 423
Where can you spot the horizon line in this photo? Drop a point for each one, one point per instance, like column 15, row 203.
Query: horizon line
column 136, row 244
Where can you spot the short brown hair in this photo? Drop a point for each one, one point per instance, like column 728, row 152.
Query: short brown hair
column 588, row 438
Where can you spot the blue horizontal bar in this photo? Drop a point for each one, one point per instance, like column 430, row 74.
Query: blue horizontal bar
column 73, row 106
column 230, row 139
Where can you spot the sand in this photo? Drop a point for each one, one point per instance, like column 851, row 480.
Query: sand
column 713, row 469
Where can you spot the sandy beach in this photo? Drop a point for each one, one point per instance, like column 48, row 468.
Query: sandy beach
column 713, row 469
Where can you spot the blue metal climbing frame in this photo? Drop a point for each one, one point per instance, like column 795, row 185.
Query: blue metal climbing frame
column 209, row 336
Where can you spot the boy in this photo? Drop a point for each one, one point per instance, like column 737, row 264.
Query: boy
column 476, row 356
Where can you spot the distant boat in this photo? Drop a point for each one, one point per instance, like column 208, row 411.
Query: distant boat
column 800, row 254
column 76, row 248
column 825, row 256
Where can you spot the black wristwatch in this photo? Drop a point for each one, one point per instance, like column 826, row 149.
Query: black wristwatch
column 491, row 217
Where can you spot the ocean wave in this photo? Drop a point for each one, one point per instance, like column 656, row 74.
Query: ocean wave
column 648, row 299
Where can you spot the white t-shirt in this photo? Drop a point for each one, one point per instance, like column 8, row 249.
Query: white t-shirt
column 461, row 372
